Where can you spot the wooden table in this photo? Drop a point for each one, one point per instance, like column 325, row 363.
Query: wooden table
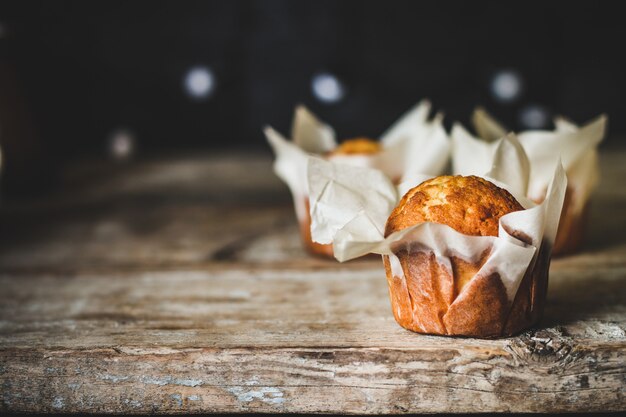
column 179, row 286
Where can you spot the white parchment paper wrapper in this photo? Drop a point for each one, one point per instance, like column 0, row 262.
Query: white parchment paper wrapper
column 350, row 206
column 413, row 146
column 575, row 146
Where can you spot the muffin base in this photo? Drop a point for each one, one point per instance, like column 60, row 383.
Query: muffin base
column 433, row 298
column 312, row 247
column 572, row 227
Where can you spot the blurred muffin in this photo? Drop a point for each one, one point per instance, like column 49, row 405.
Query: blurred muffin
column 356, row 146
column 305, row 234
column 576, row 146
column 427, row 299
column 357, row 152
column 415, row 144
column 572, row 226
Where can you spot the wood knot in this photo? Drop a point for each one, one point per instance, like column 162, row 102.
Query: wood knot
column 543, row 345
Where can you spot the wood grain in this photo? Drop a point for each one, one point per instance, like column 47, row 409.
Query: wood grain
column 153, row 291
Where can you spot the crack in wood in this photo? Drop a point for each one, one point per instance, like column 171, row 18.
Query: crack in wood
column 229, row 251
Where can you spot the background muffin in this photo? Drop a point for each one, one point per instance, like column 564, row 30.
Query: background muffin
column 358, row 152
column 576, row 146
column 414, row 145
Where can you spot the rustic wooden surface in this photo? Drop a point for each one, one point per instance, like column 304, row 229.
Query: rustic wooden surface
column 179, row 286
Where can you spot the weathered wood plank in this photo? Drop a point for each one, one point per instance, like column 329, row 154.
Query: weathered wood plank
column 445, row 379
column 259, row 308
column 161, row 288
column 190, row 212
column 247, row 340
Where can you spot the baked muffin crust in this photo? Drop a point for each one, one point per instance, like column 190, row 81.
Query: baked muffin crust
column 470, row 205
column 360, row 145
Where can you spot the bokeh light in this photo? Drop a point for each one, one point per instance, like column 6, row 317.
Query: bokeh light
column 121, row 144
column 199, row 83
column 327, row 88
column 506, row 86
column 534, row 116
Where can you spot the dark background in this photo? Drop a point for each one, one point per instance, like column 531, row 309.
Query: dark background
column 72, row 73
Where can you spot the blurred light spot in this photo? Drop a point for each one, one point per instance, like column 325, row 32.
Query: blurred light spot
column 327, row 88
column 534, row 116
column 199, row 82
column 506, row 86
column 122, row 144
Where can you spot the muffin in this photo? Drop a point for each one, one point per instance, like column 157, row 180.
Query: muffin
column 462, row 256
column 357, row 152
column 415, row 145
column 312, row 247
column 572, row 226
column 572, row 223
column 576, row 146
column 450, row 298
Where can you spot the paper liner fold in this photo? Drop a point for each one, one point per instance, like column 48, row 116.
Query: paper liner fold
column 575, row 146
column 570, row 143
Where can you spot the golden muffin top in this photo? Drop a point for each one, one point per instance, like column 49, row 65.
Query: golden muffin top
column 361, row 146
column 470, row 205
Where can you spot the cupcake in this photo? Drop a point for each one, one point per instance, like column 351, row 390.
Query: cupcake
column 463, row 255
column 413, row 145
column 577, row 148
